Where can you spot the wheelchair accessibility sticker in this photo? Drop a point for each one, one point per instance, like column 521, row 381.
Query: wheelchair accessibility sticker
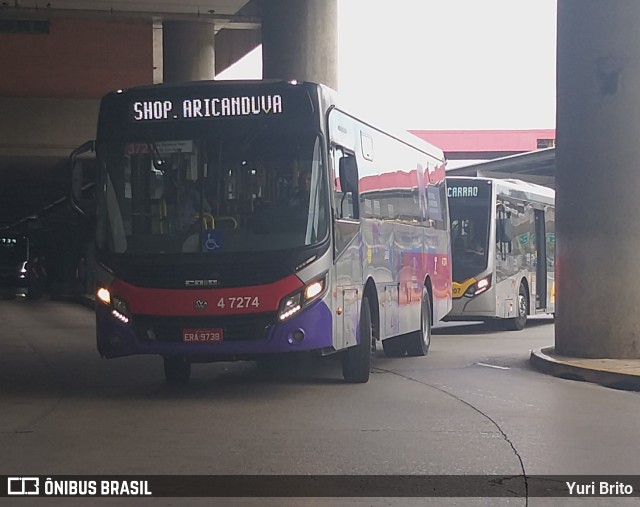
column 212, row 240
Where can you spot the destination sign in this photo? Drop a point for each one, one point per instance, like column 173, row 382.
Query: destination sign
column 462, row 191
column 194, row 108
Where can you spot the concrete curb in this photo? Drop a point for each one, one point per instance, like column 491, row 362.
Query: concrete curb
column 584, row 370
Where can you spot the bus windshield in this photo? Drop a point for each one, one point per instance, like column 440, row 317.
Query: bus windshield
column 228, row 190
column 469, row 235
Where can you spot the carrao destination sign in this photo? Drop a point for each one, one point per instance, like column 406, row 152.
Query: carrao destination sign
column 205, row 107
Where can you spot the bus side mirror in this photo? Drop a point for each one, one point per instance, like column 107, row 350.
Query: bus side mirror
column 348, row 175
column 76, row 173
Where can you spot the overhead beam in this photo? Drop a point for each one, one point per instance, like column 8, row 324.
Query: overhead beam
column 220, row 20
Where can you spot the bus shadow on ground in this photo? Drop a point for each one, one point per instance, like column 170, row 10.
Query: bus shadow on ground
column 143, row 377
column 486, row 328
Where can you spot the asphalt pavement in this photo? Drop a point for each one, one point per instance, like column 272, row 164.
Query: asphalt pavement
column 621, row 374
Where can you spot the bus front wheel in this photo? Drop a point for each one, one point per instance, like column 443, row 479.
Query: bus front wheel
column 176, row 370
column 356, row 360
column 518, row 323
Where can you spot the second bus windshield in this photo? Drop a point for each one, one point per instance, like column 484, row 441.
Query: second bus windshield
column 470, row 214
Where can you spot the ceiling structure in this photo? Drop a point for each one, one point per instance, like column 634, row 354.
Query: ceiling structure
column 223, row 13
column 29, row 184
column 536, row 167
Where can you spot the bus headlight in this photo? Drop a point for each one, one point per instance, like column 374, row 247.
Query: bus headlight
column 292, row 304
column 313, row 290
column 104, row 295
column 479, row 287
column 119, row 308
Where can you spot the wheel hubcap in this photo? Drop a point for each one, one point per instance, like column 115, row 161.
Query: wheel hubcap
column 522, row 305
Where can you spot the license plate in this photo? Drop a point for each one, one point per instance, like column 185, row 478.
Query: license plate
column 205, row 335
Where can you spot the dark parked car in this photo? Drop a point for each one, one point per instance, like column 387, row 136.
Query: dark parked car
column 14, row 266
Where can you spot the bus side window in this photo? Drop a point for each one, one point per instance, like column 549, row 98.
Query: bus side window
column 346, row 185
column 435, row 195
column 504, row 232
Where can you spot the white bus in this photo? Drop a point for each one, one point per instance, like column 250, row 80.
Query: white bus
column 503, row 250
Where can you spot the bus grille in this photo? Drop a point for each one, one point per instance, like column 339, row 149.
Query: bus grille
column 236, row 328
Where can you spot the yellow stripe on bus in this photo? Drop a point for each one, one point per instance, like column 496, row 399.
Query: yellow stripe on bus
column 460, row 288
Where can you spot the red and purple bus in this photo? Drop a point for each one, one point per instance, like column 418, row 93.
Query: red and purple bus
column 241, row 219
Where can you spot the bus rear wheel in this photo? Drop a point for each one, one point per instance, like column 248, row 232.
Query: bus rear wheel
column 418, row 343
column 356, row 360
column 518, row 323
column 176, row 370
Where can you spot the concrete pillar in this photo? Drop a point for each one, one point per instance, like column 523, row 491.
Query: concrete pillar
column 188, row 52
column 232, row 45
column 300, row 40
column 598, row 179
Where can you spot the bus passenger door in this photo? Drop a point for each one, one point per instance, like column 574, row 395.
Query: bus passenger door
column 550, row 232
column 347, row 246
column 541, row 260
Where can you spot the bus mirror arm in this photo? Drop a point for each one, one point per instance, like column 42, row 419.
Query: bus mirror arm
column 76, row 173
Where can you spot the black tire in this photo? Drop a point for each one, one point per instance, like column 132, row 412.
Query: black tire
column 418, row 343
column 176, row 370
column 356, row 360
column 518, row 323
column 394, row 347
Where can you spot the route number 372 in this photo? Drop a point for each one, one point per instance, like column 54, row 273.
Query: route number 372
column 239, row 302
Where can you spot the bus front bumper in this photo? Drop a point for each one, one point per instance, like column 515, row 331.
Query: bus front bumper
column 310, row 330
column 479, row 307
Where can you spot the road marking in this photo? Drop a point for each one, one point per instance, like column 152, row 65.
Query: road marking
column 494, row 366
